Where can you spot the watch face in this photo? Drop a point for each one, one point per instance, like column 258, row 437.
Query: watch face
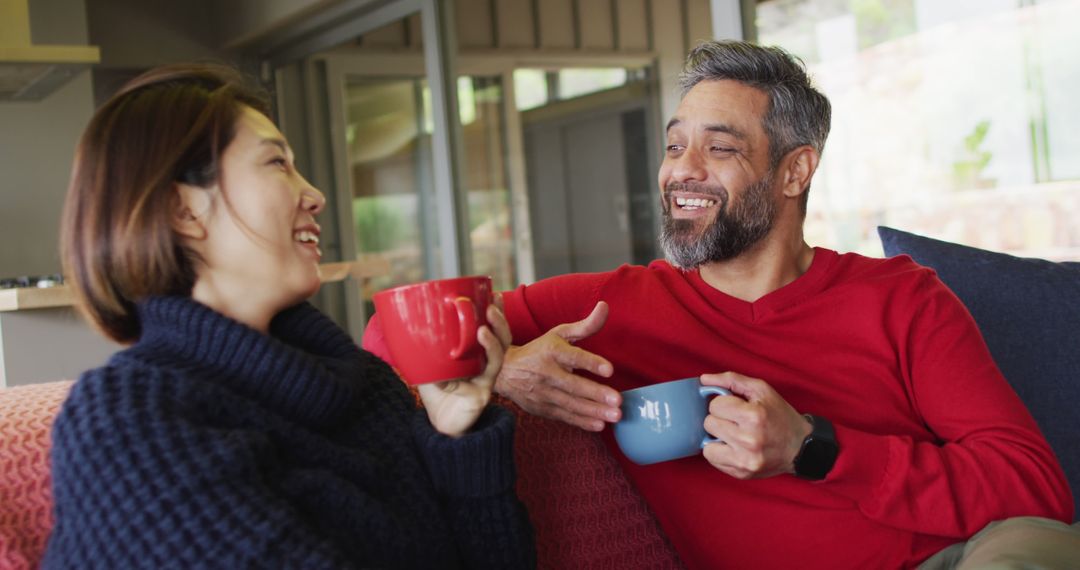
column 817, row 458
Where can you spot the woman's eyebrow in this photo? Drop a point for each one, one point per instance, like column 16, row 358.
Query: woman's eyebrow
column 280, row 143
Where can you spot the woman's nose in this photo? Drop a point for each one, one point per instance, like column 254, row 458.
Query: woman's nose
column 312, row 199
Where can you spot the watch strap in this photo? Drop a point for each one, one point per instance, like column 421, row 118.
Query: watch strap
column 819, row 450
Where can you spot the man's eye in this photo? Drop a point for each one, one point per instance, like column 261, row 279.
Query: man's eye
column 673, row 147
column 721, row 149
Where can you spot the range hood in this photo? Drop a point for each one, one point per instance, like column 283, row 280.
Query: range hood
column 31, row 72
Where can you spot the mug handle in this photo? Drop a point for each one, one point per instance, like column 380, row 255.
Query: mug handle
column 705, row 391
column 466, row 314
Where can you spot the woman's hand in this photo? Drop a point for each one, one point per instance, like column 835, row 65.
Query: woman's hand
column 454, row 406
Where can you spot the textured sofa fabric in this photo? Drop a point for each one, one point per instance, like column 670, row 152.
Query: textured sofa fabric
column 1028, row 310
column 26, row 415
column 585, row 512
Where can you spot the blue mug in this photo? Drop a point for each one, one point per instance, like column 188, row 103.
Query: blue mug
column 665, row 421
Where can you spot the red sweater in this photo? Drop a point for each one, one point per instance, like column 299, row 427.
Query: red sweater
column 934, row 442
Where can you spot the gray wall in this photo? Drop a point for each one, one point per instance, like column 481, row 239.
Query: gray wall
column 145, row 33
column 135, row 35
column 37, row 141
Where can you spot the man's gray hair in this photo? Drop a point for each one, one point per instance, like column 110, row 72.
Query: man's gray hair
column 798, row 114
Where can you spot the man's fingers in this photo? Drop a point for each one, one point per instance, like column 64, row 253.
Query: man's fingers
column 580, row 387
column 586, row 423
column 583, row 397
column 570, row 411
column 580, row 359
column 573, row 399
column 586, row 327
column 748, row 388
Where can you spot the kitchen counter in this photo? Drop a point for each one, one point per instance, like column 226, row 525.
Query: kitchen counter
column 61, row 296
column 35, row 298
column 43, row 338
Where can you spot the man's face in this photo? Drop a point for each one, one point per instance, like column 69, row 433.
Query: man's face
column 715, row 180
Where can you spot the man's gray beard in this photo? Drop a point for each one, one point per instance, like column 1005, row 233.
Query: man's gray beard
column 733, row 231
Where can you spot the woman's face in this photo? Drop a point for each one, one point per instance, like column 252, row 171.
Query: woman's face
column 260, row 242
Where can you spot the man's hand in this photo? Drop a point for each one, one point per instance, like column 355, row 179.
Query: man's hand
column 540, row 377
column 761, row 432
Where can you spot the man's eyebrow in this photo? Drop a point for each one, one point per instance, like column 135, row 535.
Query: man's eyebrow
column 713, row 128
column 725, row 128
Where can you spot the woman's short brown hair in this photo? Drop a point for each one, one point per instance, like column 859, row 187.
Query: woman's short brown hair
column 169, row 125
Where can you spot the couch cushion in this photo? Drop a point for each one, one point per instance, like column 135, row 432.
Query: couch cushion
column 585, row 511
column 26, row 417
column 1028, row 310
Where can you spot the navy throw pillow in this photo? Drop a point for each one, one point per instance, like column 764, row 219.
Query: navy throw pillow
column 1028, row 310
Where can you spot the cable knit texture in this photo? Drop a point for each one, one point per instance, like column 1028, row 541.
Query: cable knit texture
column 587, row 513
column 208, row 444
column 26, row 414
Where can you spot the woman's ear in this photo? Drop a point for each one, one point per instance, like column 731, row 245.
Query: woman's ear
column 188, row 211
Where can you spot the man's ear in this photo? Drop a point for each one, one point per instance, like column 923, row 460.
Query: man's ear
column 798, row 168
column 189, row 208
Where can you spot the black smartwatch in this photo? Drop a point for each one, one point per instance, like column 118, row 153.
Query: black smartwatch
column 819, row 450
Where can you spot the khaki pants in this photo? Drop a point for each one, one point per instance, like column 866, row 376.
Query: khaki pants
column 1027, row 543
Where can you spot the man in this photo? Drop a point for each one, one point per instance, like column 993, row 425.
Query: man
column 870, row 427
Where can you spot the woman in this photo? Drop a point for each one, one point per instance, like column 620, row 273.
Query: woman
column 243, row 428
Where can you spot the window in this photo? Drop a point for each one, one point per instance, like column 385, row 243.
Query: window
column 538, row 87
column 388, row 132
column 951, row 118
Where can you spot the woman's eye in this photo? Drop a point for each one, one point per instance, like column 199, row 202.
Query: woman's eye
column 279, row 161
column 673, row 147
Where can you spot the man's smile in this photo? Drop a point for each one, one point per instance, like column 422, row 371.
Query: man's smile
column 690, row 205
column 694, row 203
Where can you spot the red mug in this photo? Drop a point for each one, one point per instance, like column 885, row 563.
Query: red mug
column 430, row 327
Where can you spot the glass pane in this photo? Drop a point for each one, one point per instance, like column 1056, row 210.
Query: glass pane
column 951, row 118
column 486, row 182
column 389, row 139
column 389, row 160
column 530, row 88
column 578, row 82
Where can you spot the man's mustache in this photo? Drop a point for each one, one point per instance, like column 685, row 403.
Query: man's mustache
column 697, row 188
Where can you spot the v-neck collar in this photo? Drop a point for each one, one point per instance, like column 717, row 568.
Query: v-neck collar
column 771, row 303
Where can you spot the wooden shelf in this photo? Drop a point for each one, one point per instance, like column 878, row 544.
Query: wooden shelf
column 61, row 295
column 34, row 298
column 361, row 269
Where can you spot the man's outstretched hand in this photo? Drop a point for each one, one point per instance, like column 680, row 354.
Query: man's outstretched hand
column 540, row 378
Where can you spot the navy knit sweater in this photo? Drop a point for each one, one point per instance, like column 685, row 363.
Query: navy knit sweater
column 210, row 445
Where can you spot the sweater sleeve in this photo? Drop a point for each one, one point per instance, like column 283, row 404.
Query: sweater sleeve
column 475, row 476
column 137, row 486
column 532, row 310
column 989, row 460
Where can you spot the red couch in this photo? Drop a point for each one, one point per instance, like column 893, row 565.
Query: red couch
column 586, row 514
